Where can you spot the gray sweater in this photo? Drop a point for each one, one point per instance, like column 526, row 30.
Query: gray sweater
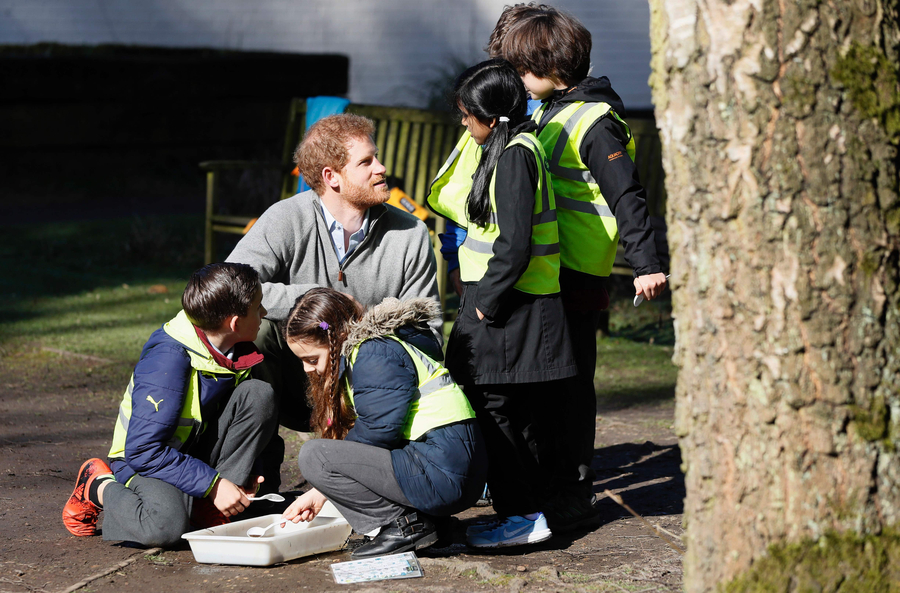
column 291, row 249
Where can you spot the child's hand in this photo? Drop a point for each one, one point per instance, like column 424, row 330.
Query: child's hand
column 306, row 507
column 253, row 487
column 650, row 285
column 228, row 498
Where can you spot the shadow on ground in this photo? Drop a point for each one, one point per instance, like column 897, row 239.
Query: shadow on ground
column 50, row 424
column 646, row 476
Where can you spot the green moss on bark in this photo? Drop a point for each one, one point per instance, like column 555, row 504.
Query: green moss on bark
column 872, row 83
column 835, row 563
column 892, row 220
column 872, row 422
column 870, row 263
column 799, row 93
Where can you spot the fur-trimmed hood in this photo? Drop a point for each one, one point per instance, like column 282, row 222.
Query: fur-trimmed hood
column 407, row 319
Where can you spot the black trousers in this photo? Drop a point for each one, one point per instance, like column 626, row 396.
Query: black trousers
column 573, row 433
column 514, row 419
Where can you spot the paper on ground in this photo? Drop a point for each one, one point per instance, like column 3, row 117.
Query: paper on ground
column 396, row 566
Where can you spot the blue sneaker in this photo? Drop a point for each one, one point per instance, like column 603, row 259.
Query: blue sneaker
column 482, row 527
column 512, row 531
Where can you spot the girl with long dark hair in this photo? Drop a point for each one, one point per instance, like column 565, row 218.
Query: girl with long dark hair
column 399, row 447
column 509, row 347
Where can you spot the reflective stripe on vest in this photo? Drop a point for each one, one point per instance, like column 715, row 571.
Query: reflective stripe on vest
column 542, row 274
column 190, row 418
column 125, row 420
column 587, row 227
column 440, row 401
column 488, row 248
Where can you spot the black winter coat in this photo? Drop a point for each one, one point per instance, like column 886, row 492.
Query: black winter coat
column 523, row 337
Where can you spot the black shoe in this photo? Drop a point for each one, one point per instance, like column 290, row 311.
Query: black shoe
column 568, row 512
column 412, row 531
column 444, row 527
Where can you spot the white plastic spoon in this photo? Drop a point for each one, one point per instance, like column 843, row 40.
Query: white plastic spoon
column 272, row 496
column 261, row 531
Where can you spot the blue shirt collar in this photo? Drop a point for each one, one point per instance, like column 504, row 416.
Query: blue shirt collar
column 336, row 232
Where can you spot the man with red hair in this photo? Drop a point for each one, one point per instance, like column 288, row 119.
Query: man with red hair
column 338, row 235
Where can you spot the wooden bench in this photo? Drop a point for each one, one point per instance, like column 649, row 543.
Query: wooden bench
column 413, row 144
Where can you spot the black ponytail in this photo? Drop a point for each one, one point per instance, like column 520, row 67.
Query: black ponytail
column 490, row 91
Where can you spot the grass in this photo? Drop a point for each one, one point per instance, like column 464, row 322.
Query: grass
column 100, row 288
column 111, row 323
column 94, row 288
column 634, row 362
column 633, row 373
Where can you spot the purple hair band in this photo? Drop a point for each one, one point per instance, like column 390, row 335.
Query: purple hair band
column 324, row 326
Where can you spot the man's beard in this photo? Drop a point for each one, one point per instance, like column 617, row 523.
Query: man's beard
column 364, row 197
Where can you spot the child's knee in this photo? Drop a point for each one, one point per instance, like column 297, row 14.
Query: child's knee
column 310, row 460
column 165, row 534
column 259, row 397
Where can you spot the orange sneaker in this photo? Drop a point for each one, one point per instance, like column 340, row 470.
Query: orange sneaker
column 80, row 514
column 204, row 514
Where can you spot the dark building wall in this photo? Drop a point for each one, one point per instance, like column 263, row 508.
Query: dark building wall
column 134, row 121
column 55, row 96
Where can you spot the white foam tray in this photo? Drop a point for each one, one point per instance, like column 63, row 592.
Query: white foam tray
column 230, row 544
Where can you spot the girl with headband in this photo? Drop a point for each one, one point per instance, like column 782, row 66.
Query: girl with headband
column 399, row 448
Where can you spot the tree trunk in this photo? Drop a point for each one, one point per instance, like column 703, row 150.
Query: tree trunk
column 780, row 122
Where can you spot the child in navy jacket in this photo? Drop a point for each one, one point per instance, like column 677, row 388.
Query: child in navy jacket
column 191, row 423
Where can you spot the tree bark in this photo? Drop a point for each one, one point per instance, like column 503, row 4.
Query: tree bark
column 780, row 122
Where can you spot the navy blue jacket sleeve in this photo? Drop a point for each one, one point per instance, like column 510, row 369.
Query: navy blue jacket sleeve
column 160, row 383
column 384, row 386
column 603, row 151
column 450, row 243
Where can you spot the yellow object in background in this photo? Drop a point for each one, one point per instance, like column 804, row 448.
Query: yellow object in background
column 402, row 201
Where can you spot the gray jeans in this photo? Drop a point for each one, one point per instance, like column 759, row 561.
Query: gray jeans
column 358, row 479
column 154, row 513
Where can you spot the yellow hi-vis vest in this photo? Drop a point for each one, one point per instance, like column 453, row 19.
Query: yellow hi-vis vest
column 448, row 196
column 441, row 401
column 191, row 421
column 451, row 187
column 587, row 227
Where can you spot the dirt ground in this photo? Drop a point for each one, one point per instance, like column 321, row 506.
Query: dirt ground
column 57, row 410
